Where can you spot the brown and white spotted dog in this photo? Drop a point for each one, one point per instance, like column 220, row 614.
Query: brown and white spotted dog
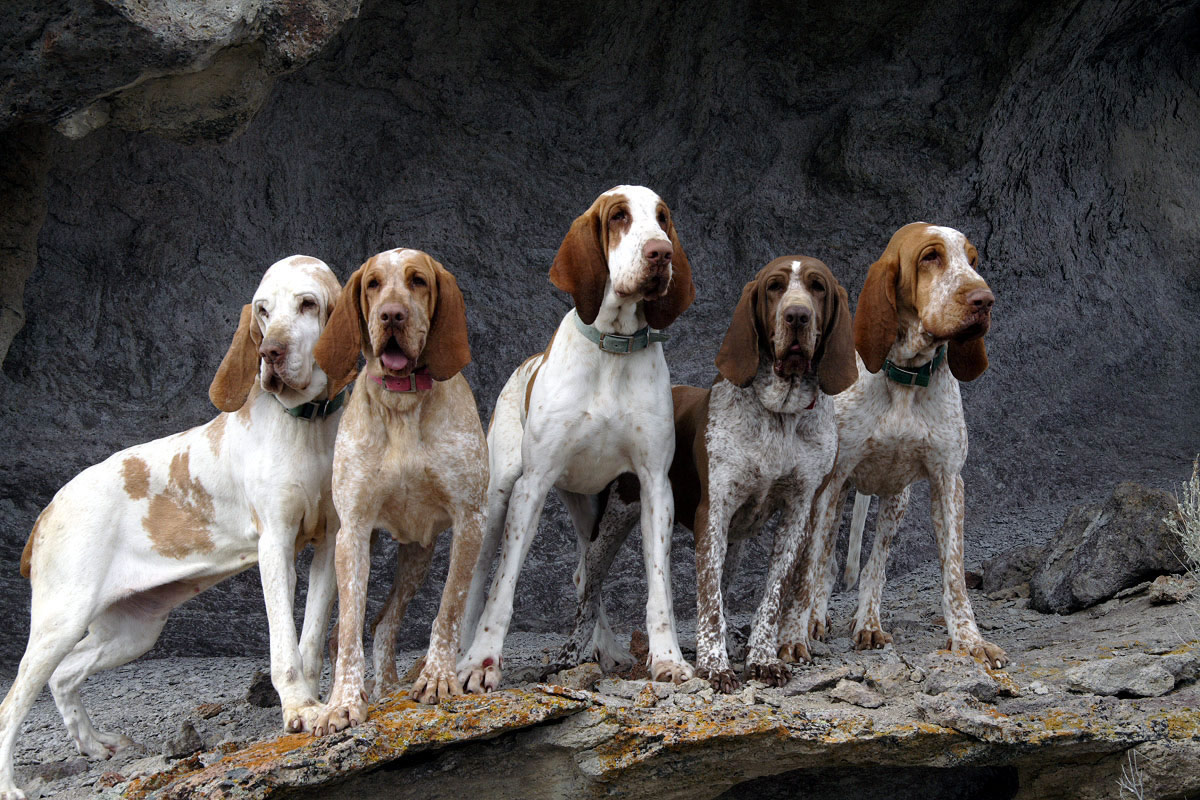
column 410, row 459
column 918, row 330
column 760, row 442
column 130, row 538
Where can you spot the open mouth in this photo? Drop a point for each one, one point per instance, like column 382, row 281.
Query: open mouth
column 393, row 358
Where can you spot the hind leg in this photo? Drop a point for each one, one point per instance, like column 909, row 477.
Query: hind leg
column 412, row 565
column 868, row 632
column 119, row 635
column 591, row 633
column 51, row 637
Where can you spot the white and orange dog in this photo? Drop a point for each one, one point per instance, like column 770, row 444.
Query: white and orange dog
column 595, row 404
column 141, row 532
column 410, row 459
column 918, row 331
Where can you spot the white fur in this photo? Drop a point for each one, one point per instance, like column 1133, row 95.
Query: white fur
column 592, row 416
column 93, row 539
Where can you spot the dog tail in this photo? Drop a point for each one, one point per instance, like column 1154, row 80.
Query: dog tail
column 858, row 521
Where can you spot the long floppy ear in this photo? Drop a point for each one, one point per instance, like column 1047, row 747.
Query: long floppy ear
column 341, row 342
column 446, row 348
column 968, row 360
column 581, row 266
column 235, row 376
column 836, row 368
column 737, row 360
column 662, row 312
column 875, row 319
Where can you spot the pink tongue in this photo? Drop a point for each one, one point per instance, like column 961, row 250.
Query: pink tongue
column 393, row 360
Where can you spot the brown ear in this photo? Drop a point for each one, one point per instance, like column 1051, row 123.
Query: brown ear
column 662, row 312
column 737, row 360
column 235, row 376
column 581, row 266
column 446, row 348
column 875, row 319
column 836, row 367
column 968, row 360
column 338, row 349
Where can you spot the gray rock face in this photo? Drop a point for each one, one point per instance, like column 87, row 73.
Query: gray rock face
column 1101, row 550
column 1137, row 675
column 478, row 131
column 1011, row 567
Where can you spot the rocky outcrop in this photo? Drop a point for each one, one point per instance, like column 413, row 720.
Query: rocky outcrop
column 1101, row 550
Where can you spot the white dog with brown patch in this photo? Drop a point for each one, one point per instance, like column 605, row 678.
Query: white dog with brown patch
column 132, row 537
column 595, row 404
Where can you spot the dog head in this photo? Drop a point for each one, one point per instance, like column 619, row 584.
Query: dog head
column 926, row 277
column 794, row 316
column 625, row 243
column 276, row 336
column 403, row 311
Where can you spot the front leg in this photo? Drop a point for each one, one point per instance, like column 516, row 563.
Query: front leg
column 658, row 512
column 347, row 705
column 277, row 568
column 322, row 588
column 947, row 499
column 712, row 537
column 762, row 660
column 438, row 680
column 868, row 632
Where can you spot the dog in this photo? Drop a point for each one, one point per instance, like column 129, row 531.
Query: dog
column 918, row 331
column 156, row 524
column 595, row 404
column 410, row 459
column 761, row 441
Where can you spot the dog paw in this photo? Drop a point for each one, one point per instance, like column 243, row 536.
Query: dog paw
column 872, row 638
column 818, row 629
column 103, row 746
column 671, row 671
column 340, row 714
column 795, row 653
column 435, row 685
column 992, row 656
column 772, row 673
column 721, row 680
column 481, row 678
column 301, row 718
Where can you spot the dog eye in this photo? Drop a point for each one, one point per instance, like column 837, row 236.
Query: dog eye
column 818, row 287
column 619, row 216
column 308, row 304
column 373, row 283
column 417, row 282
column 775, row 286
column 930, row 257
column 662, row 219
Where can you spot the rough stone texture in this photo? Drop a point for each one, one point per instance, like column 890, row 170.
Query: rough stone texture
column 1101, row 550
column 1011, row 568
column 22, row 211
column 1138, row 675
column 853, row 692
column 1060, row 138
column 760, row 742
column 187, row 741
column 1172, row 589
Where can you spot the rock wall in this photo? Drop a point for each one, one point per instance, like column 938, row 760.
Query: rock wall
column 1060, row 137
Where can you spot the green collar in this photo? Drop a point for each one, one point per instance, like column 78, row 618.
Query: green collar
column 615, row 343
column 918, row 377
column 321, row 409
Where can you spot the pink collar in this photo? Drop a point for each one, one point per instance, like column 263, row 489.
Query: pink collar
column 418, row 381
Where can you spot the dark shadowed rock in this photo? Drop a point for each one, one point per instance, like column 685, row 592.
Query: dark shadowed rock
column 262, row 692
column 1101, row 550
column 1011, row 567
column 183, row 744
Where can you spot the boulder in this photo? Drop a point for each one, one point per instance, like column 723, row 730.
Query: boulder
column 1101, row 550
column 1011, row 567
column 1136, row 675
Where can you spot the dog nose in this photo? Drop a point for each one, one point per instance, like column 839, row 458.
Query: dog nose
column 272, row 350
column 981, row 299
column 393, row 314
column 797, row 316
column 657, row 251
